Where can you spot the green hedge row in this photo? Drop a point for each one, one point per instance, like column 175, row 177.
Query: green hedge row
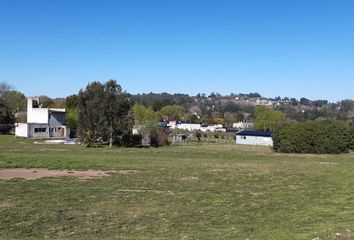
column 314, row 137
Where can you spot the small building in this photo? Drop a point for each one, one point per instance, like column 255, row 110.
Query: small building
column 179, row 139
column 42, row 122
column 243, row 125
column 248, row 137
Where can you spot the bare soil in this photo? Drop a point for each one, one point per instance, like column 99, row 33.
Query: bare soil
column 36, row 173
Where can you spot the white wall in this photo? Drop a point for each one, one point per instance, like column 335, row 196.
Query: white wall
column 33, row 134
column 188, row 126
column 36, row 115
column 254, row 140
column 21, row 130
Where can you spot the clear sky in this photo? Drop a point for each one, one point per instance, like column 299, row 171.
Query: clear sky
column 275, row 47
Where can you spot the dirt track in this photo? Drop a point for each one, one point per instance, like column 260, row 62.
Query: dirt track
column 36, row 173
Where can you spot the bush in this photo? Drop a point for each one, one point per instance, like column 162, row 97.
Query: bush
column 313, row 137
column 130, row 140
column 5, row 128
column 158, row 137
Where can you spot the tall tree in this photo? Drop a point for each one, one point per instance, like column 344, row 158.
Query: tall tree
column 116, row 111
column 71, row 101
column 172, row 112
column 90, row 112
column 145, row 118
column 103, row 112
column 11, row 102
column 267, row 118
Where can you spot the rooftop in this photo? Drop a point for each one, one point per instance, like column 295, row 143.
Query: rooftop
column 255, row 133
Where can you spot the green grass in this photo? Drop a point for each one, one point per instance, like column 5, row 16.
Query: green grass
column 193, row 192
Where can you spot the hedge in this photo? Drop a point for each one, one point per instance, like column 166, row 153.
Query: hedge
column 320, row 137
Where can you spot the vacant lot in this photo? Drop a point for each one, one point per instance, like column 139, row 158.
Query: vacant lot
column 201, row 192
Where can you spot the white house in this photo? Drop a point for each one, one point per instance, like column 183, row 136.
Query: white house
column 246, row 137
column 42, row 122
column 198, row 127
column 243, row 125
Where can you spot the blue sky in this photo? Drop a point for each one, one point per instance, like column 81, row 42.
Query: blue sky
column 274, row 47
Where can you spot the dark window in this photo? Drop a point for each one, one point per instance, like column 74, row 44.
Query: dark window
column 243, row 137
column 35, row 104
column 39, row 130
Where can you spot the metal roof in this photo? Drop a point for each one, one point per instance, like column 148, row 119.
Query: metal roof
column 254, row 133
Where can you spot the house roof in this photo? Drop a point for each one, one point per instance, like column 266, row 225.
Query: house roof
column 254, row 133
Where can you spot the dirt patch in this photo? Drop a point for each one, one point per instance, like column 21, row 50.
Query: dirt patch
column 36, row 173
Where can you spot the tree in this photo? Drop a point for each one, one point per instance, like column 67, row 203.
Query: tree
column 72, row 112
column 46, row 101
column 305, row 101
column 172, row 112
column 16, row 101
column 347, row 105
column 103, row 112
column 145, row 117
column 6, row 112
column 267, row 118
column 71, row 101
column 72, row 118
column 116, row 107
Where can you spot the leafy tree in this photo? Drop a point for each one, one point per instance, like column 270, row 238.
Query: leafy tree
column 347, row 105
column 91, row 117
column 46, row 102
column 219, row 120
column 305, row 101
column 116, row 109
column 172, row 112
column 11, row 101
column 72, row 116
column 267, row 118
column 145, row 117
column 103, row 112
column 71, row 101
column 16, row 101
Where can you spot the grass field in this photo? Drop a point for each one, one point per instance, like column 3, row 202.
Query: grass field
column 193, row 192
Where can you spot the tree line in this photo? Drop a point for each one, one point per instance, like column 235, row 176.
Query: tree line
column 103, row 112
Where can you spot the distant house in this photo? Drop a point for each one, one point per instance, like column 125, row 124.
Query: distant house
column 243, row 125
column 42, row 122
column 247, row 137
column 198, row 127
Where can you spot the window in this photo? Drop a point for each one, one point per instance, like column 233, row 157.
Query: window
column 243, row 137
column 40, row 130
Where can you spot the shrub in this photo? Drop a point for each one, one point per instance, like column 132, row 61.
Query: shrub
column 158, row 137
column 313, row 137
column 130, row 140
column 5, row 128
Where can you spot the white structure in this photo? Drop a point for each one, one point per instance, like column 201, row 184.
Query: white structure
column 243, row 125
column 198, row 127
column 42, row 122
column 262, row 138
